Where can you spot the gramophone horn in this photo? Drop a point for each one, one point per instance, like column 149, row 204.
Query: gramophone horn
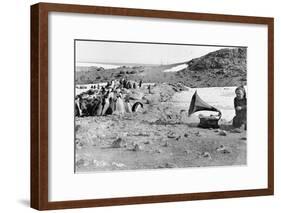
column 197, row 104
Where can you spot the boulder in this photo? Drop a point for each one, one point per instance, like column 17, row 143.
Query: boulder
column 117, row 143
column 223, row 133
column 137, row 147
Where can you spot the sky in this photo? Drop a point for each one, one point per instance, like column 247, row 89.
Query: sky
column 138, row 53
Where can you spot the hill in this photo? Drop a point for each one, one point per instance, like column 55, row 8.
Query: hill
column 224, row 67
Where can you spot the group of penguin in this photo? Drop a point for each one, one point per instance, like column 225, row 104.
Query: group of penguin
column 106, row 100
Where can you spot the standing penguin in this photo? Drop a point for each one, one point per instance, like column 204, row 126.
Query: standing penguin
column 149, row 89
column 128, row 105
column 105, row 104
column 113, row 100
column 129, row 85
column 100, row 106
column 111, row 104
column 78, row 111
column 124, row 83
column 95, row 106
column 120, row 106
column 111, row 107
column 140, row 83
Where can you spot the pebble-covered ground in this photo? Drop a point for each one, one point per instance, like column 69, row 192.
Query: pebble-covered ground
column 161, row 135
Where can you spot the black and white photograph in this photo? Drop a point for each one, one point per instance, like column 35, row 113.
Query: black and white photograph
column 146, row 105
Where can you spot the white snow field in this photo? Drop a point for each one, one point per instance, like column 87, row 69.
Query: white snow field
column 176, row 68
column 90, row 64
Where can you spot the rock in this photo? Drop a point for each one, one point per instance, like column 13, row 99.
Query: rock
column 167, row 165
column 77, row 127
column 137, row 147
column 205, row 155
column 177, row 138
column 236, row 130
column 166, row 144
column 222, row 133
column 157, row 134
column 101, row 163
column 186, row 135
column 86, row 163
column 124, row 134
column 143, row 134
column 117, row 143
column 93, row 136
column 101, row 136
column 171, row 135
column 147, row 142
column 170, row 165
column 80, row 162
column 198, row 134
column 243, row 138
column 139, row 134
column 158, row 151
column 222, row 149
column 225, row 151
column 119, row 165
column 79, row 144
column 187, row 152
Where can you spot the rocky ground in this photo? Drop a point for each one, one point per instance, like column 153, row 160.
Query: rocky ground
column 159, row 136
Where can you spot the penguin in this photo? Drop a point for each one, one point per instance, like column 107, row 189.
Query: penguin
column 99, row 108
column 124, row 82
column 128, row 105
column 105, row 104
column 78, row 111
column 84, row 106
column 137, row 106
column 95, row 105
column 120, row 107
column 111, row 107
column 129, row 85
column 111, row 84
column 140, row 83
column 149, row 89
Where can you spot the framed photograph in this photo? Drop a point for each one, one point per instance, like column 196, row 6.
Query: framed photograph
column 132, row 106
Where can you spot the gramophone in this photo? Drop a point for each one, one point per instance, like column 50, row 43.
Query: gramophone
column 197, row 104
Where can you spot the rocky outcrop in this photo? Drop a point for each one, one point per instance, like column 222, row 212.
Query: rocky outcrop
column 224, row 60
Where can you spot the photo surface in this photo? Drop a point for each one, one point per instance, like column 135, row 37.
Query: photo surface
column 143, row 106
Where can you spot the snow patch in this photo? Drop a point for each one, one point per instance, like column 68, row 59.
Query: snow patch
column 89, row 64
column 176, row 68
